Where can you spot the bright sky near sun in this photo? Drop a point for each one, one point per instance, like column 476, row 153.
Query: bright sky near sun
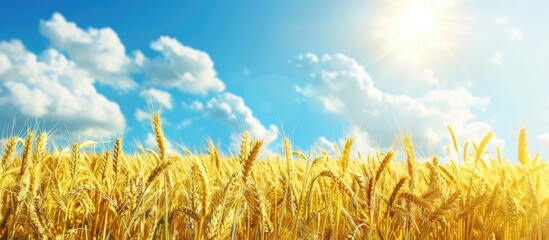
column 315, row 71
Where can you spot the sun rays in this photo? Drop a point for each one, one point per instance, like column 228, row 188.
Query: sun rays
column 416, row 31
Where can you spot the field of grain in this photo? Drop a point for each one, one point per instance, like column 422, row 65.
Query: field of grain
column 72, row 193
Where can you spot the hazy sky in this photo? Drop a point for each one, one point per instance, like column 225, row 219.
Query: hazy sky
column 316, row 71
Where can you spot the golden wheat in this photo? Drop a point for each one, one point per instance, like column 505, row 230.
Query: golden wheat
column 69, row 194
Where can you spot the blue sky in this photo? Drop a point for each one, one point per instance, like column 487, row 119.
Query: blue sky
column 314, row 70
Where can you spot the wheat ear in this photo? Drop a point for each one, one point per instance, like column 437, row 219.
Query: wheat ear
column 410, row 161
column 244, row 146
column 523, row 154
column 482, row 145
column 394, row 194
column 159, row 133
column 454, row 139
column 383, row 165
column 25, row 160
column 8, row 153
column 75, row 158
column 251, row 159
column 346, row 157
column 40, row 150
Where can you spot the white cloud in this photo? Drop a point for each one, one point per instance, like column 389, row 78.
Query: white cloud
column 195, row 106
column 54, row 89
column 500, row 20
column 362, row 141
column 543, row 140
column 182, row 67
column 516, row 34
column 162, row 97
column 429, row 77
column 447, row 3
column 185, row 123
column 331, row 104
column 103, row 55
column 232, row 110
column 141, row 115
column 5, row 63
column 61, row 80
column 497, row 58
column 246, row 71
column 340, row 79
column 98, row 51
column 324, row 144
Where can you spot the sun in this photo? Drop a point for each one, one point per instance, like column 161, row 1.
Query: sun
column 417, row 31
column 418, row 20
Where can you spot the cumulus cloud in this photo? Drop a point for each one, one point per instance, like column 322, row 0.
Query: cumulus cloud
column 195, row 106
column 184, row 124
column 5, row 63
column 324, row 144
column 516, row 34
column 141, row 116
column 543, row 140
column 500, row 20
column 52, row 88
column 103, row 55
column 99, row 51
column 61, row 80
column 362, row 141
column 246, row 71
column 182, row 67
column 429, row 77
column 342, row 87
column 232, row 110
column 162, row 97
column 497, row 58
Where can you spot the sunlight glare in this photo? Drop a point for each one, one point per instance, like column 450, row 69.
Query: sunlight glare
column 418, row 20
column 415, row 31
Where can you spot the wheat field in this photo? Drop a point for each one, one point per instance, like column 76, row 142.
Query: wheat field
column 71, row 193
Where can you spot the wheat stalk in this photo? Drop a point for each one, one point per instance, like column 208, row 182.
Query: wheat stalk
column 214, row 154
column 104, row 164
column 156, row 122
column 244, row 146
column 383, row 164
column 289, row 160
column 25, row 160
column 346, row 157
column 483, row 143
column 40, row 150
column 117, row 155
column 75, row 158
column 8, row 152
column 341, row 184
column 410, row 161
column 454, row 139
column 394, row 193
column 523, row 154
column 415, row 200
column 252, row 156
